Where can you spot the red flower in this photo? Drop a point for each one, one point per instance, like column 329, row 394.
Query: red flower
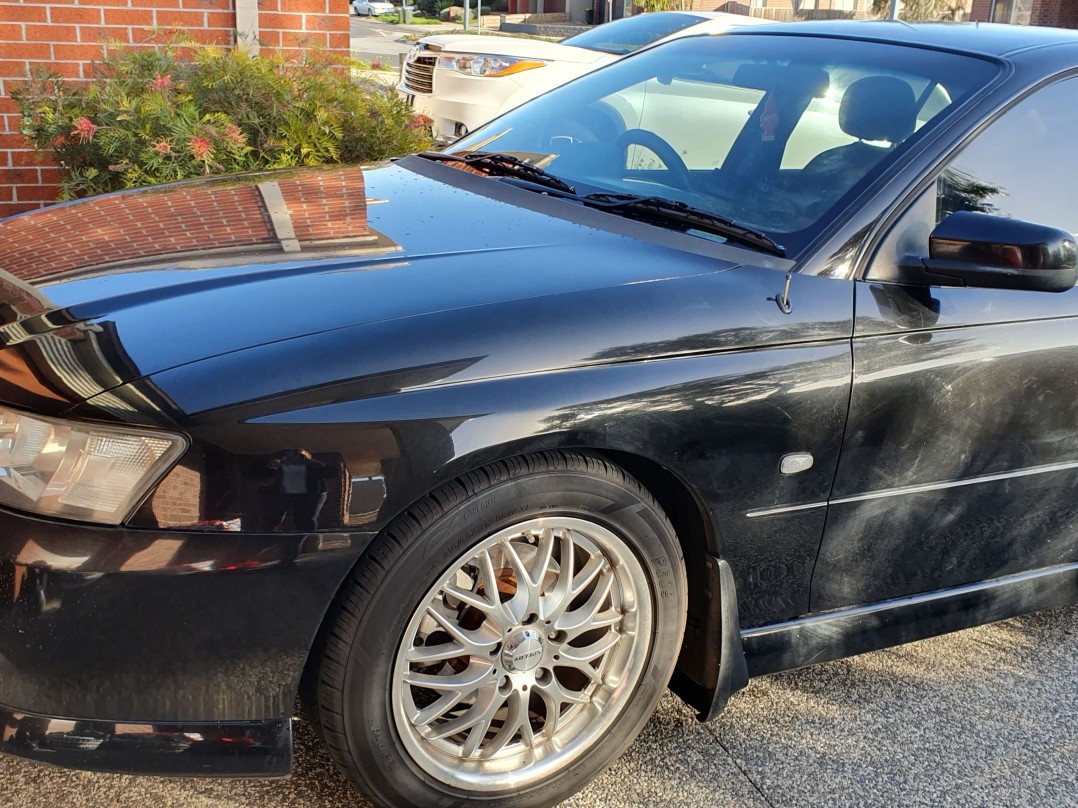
column 161, row 83
column 84, row 129
column 235, row 134
column 162, row 147
column 421, row 122
column 201, row 148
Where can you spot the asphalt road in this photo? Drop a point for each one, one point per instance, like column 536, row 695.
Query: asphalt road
column 986, row 717
column 378, row 41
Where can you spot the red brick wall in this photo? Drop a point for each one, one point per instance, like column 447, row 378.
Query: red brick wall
column 321, row 205
column 68, row 37
column 327, row 205
column 121, row 228
column 1057, row 13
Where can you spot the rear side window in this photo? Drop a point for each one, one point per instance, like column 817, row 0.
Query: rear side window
column 632, row 33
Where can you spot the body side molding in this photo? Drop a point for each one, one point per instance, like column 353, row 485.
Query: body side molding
column 857, row 630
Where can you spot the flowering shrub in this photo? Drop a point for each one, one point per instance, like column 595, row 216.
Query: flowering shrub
column 177, row 110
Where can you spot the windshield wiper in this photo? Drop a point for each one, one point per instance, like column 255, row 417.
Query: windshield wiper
column 657, row 208
column 653, row 208
column 505, row 165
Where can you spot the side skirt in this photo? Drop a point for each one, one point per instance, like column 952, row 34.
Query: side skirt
column 846, row 632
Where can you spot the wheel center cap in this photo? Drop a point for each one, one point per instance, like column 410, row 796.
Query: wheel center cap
column 523, row 651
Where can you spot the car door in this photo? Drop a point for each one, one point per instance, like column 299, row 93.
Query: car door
column 960, row 459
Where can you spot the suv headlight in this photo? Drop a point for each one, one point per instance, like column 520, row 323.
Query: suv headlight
column 486, row 65
column 89, row 472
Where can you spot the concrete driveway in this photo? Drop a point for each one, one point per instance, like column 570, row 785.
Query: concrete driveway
column 986, row 717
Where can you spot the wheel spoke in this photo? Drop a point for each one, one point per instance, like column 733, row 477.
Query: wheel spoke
column 527, row 734
column 518, row 711
column 561, row 595
column 585, row 616
column 501, row 613
column 545, row 554
column 589, row 653
column 463, row 682
column 481, row 712
column 487, row 575
column 553, row 711
column 526, row 599
column 426, row 654
column 471, row 598
column 560, row 695
column 435, row 711
column 471, row 640
column 476, row 737
column 583, row 667
column 596, row 564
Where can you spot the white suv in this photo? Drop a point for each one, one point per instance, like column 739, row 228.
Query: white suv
column 461, row 82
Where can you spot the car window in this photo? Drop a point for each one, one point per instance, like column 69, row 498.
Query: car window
column 819, row 128
column 677, row 110
column 632, row 33
column 770, row 131
column 1024, row 165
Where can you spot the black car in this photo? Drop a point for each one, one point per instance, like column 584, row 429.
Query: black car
column 744, row 353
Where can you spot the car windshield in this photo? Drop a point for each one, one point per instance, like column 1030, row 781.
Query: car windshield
column 632, row 33
column 773, row 132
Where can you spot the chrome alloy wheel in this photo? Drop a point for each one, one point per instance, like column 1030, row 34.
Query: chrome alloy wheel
column 523, row 655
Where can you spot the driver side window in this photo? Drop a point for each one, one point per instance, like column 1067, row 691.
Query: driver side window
column 1023, row 166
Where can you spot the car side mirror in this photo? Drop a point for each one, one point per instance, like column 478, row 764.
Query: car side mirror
column 993, row 252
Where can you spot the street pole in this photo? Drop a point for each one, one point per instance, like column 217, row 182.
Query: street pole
column 468, row 13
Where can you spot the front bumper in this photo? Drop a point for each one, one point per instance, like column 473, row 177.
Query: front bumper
column 458, row 99
column 137, row 635
column 240, row 749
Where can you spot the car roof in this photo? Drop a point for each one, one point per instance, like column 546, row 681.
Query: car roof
column 725, row 16
column 983, row 38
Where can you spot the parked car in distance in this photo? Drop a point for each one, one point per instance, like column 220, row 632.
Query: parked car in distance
column 371, row 8
column 462, row 81
column 744, row 353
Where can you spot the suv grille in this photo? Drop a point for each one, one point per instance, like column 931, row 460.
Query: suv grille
column 419, row 74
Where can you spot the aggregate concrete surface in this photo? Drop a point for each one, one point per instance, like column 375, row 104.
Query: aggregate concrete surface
column 985, row 717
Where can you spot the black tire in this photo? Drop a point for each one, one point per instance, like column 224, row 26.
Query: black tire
column 354, row 680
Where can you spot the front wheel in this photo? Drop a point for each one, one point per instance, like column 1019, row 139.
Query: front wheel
column 506, row 639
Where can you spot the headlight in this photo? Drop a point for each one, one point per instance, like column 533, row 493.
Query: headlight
column 486, row 65
column 89, row 472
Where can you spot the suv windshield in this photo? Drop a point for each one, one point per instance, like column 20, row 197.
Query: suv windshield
column 772, row 132
column 632, row 33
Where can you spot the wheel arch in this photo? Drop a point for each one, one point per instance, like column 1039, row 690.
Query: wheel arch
column 693, row 527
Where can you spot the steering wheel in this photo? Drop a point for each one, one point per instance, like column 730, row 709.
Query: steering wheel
column 663, row 150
